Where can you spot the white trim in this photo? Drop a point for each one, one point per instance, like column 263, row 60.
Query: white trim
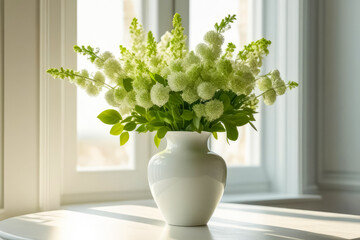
column 50, row 114
column 21, row 68
column 44, row 106
column 1, row 102
column 308, row 96
column 281, row 130
column 270, row 198
column 84, row 183
column 256, row 25
column 158, row 16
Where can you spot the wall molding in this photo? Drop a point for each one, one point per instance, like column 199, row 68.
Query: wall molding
column 332, row 180
column 50, row 149
column 2, row 53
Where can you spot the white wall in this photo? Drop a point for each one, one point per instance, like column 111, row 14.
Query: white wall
column 20, row 32
column 332, row 114
column 339, row 125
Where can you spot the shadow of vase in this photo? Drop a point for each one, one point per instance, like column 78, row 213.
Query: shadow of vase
column 186, row 233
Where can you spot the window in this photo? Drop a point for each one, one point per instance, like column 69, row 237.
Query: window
column 94, row 162
column 244, row 151
column 124, row 176
column 97, row 149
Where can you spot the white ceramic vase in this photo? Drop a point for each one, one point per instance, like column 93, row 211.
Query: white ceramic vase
column 187, row 180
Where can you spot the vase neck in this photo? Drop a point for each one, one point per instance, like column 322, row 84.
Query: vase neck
column 188, row 141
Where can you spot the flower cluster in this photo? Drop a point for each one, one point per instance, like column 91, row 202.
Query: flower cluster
column 163, row 86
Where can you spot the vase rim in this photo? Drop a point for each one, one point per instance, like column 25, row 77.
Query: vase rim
column 188, row 132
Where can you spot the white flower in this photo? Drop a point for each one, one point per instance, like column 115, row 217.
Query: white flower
column 165, row 72
column 130, row 99
column 194, row 71
column 165, row 41
column 93, row 90
column 159, row 94
column 214, row 109
column 275, row 73
column 269, row 97
column 112, row 68
column 224, row 66
column 143, row 99
column 142, row 83
column 119, row 94
column 279, row 87
column 190, row 95
column 242, row 83
column 100, row 78
column 178, row 81
column 264, row 84
column 214, row 38
column 81, row 81
column 204, row 51
column 191, row 58
column 110, row 98
column 199, row 110
column 206, row 90
column 176, row 65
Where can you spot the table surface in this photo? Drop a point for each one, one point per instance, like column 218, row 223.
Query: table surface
column 142, row 220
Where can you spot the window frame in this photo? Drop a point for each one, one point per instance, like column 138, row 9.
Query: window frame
column 56, row 101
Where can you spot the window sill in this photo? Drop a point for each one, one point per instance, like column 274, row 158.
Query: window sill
column 269, row 198
column 245, row 198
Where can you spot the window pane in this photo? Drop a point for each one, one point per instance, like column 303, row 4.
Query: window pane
column 102, row 24
column 245, row 150
column 205, row 13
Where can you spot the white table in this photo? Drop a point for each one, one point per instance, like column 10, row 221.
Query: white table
column 142, row 220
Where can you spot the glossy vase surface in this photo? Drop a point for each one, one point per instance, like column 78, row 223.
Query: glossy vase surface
column 187, row 180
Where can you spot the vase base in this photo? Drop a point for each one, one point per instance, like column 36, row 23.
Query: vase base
column 188, row 225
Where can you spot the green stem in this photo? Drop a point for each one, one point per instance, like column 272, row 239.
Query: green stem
column 175, row 125
column 269, row 91
column 91, row 79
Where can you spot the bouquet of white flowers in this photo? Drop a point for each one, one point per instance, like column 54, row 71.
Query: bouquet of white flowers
column 162, row 86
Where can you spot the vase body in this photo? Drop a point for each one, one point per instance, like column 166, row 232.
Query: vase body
column 187, row 180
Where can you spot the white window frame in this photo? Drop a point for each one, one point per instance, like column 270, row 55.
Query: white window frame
column 18, row 105
column 280, row 131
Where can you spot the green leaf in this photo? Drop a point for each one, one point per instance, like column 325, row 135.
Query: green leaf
column 130, row 126
column 231, row 131
column 215, row 135
column 109, row 116
column 162, row 132
column 187, row 115
column 226, row 101
column 150, row 127
column 141, row 129
column 175, row 100
column 241, row 121
column 160, row 79
column 156, row 123
column 128, row 119
column 140, row 110
column 238, row 101
column 253, row 126
column 127, row 82
column 124, row 137
column 218, row 128
column 225, row 23
column 196, row 122
column 117, row 129
column 157, row 141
